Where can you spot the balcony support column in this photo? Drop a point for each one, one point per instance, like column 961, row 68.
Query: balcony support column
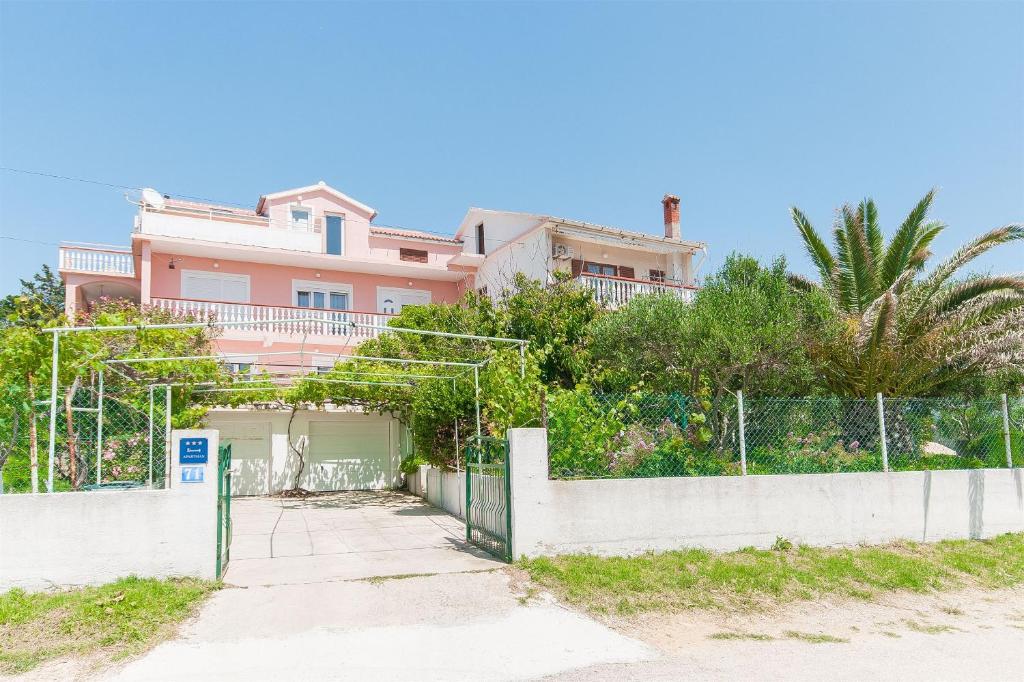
column 145, row 274
column 70, row 299
column 678, row 273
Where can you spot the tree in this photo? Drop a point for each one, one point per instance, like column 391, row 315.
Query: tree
column 23, row 361
column 746, row 329
column 40, row 301
column 904, row 331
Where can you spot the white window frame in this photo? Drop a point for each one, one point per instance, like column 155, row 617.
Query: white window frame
column 296, row 206
column 208, row 274
column 344, row 219
column 326, row 288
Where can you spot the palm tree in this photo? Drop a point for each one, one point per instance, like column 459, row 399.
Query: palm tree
column 902, row 330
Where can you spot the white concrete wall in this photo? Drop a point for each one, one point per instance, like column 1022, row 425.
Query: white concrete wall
column 443, row 489
column 629, row 516
column 90, row 538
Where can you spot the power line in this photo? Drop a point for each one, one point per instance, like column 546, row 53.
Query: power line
column 30, row 241
column 113, row 185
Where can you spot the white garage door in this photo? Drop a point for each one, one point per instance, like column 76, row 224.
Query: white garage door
column 348, row 455
column 250, row 456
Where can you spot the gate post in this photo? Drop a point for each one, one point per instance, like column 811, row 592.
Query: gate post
column 528, row 489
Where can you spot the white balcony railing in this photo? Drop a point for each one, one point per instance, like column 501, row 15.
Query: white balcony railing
column 617, row 291
column 97, row 259
column 281, row 320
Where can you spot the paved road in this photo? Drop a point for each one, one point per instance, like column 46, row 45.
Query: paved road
column 309, row 602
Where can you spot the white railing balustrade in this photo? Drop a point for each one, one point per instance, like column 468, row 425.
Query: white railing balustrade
column 617, row 291
column 99, row 260
column 283, row 320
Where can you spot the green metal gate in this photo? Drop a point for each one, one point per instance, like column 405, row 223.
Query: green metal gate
column 489, row 496
column 223, row 509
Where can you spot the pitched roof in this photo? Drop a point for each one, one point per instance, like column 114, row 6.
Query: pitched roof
column 319, row 187
column 413, row 234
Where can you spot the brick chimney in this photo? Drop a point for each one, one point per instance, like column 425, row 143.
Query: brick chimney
column 670, row 202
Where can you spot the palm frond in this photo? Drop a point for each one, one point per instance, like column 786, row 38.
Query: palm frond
column 968, row 252
column 869, row 217
column 952, row 298
column 844, row 285
column 860, row 261
column 801, row 283
column 904, row 241
column 815, row 245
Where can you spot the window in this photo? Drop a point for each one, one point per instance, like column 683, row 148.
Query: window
column 321, row 295
column 300, row 218
column 657, row 275
column 214, row 286
column 480, row 239
column 335, row 235
column 413, row 255
column 601, row 269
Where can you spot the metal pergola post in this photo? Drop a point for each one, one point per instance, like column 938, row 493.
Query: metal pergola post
column 167, row 436
column 53, row 413
column 476, row 392
column 99, row 433
column 151, row 436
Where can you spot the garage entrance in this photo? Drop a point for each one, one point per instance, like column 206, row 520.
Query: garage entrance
column 352, row 453
column 346, row 536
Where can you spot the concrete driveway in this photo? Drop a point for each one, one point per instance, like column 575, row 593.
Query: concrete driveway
column 345, row 536
column 371, row 586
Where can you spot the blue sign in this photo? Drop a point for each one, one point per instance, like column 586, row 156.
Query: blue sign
column 193, row 450
column 192, row 474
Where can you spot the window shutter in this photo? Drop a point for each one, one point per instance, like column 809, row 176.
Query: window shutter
column 235, row 290
column 202, row 288
column 626, row 271
column 414, row 255
column 577, row 267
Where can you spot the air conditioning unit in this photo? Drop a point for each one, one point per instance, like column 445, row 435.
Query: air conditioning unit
column 562, row 252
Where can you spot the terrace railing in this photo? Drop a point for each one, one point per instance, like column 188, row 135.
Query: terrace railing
column 614, row 292
column 108, row 260
column 283, row 320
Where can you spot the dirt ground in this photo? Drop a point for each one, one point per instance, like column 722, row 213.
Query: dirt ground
column 965, row 635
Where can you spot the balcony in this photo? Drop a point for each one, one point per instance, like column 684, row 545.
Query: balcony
column 613, row 292
column 231, row 227
column 284, row 322
column 97, row 259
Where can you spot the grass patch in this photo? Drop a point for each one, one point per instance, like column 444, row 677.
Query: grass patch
column 815, row 638
column 749, row 636
column 752, row 578
column 125, row 617
column 928, row 628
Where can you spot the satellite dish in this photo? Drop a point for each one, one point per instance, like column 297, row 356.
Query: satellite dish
column 153, row 198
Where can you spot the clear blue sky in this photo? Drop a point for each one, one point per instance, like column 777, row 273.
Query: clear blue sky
column 584, row 111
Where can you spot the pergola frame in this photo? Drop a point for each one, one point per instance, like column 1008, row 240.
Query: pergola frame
column 58, row 331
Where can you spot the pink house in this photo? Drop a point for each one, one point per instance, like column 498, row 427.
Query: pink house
column 305, row 263
column 314, row 252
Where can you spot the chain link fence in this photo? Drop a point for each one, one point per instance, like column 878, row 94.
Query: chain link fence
column 653, row 435
column 641, row 435
column 117, row 442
